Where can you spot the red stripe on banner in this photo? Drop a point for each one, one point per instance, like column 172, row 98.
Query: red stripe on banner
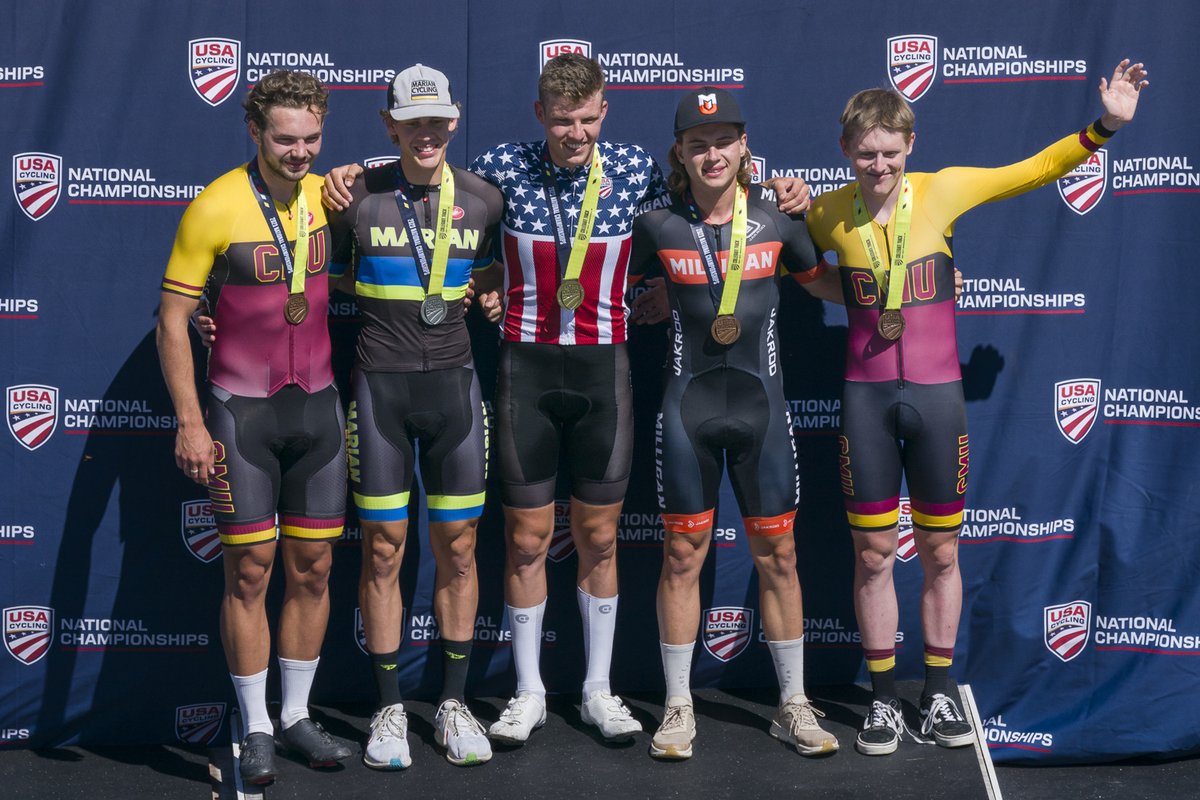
column 1014, row 80
column 1016, row 539
column 1151, row 422
column 1013, row 744
column 1020, row 311
column 90, row 432
column 1157, row 191
column 18, row 316
column 1154, row 650
column 18, row 85
column 129, row 202
column 611, row 88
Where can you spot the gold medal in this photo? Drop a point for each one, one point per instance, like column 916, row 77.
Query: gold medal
column 433, row 309
column 296, row 309
column 726, row 329
column 891, row 324
column 570, row 294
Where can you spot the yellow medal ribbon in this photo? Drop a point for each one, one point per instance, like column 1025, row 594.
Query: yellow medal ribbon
column 737, row 254
column 441, row 237
column 587, row 217
column 893, row 279
column 300, row 260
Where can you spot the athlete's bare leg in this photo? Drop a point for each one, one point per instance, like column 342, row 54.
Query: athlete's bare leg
column 594, row 529
column 379, row 583
column 941, row 591
column 245, row 633
column 456, row 585
column 874, row 591
column 527, row 533
column 305, row 612
column 778, row 586
column 679, row 585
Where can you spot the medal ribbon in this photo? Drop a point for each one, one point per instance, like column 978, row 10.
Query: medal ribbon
column 587, row 214
column 293, row 277
column 726, row 301
column 903, row 219
column 433, row 276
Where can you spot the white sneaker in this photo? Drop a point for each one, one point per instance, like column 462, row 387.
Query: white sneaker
column 457, row 730
column 796, row 724
column 673, row 739
column 388, row 746
column 611, row 716
column 524, row 713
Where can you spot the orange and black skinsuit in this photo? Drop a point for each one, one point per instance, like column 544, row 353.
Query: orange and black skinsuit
column 273, row 412
column 903, row 404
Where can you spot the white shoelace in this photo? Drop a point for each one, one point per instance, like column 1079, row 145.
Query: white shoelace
column 675, row 720
column 392, row 724
column 942, row 709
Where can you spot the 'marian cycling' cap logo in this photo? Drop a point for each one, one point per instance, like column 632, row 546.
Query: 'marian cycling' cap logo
column 214, row 66
column 555, row 47
column 1067, row 627
column 912, row 64
column 1082, row 187
column 37, row 179
column 1076, row 407
column 727, row 631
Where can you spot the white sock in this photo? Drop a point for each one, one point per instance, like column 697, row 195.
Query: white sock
column 789, row 668
column 677, row 669
column 296, row 680
column 526, row 627
column 599, row 628
column 251, row 691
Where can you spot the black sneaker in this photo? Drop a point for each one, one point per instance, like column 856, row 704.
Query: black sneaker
column 880, row 734
column 257, row 760
column 941, row 717
column 313, row 742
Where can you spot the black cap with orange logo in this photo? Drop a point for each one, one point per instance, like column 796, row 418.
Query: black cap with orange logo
column 706, row 105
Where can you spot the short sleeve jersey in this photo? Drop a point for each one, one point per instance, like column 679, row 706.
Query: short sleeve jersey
column 927, row 352
column 532, row 268
column 663, row 241
column 224, row 251
column 372, row 234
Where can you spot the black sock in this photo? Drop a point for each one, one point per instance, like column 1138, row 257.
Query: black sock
column 937, row 681
column 387, row 680
column 883, row 685
column 456, row 657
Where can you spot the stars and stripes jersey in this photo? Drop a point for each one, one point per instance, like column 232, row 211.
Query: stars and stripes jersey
column 372, row 235
column 927, row 352
column 224, row 251
column 528, row 249
column 776, row 244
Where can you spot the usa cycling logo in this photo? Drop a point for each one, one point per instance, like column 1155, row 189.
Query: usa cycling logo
column 32, row 412
column 199, row 723
column 28, row 631
column 1076, row 407
column 555, row 47
column 562, row 545
column 199, row 530
column 1067, row 628
column 912, row 64
column 758, row 169
column 37, row 183
column 214, row 66
column 1082, row 187
column 727, row 631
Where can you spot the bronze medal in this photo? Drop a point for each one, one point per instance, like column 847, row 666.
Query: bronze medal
column 726, row 329
column 570, row 294
column 296, row 308
column 433, row 310
column 891, row 324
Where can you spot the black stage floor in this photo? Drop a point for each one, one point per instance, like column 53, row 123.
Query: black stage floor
column 734, row 757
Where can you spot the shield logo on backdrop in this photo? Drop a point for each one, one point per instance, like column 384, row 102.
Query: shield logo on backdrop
column 199, row 529
column 1067, row 628
column 37, row 181
column 377, row 161
column 360, row 632
column 758, row 169
column 1076, row 407
column 912, row 64
column 1082, row 187
column 906, row 548
column 32, row 412
column 214, row 66
column 562, row 546
column 28, row 631
column 726, row 631
column 199, row 723
column 553, row 47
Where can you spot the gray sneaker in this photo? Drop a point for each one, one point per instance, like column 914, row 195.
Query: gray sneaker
column 796, row 724
column 673, row 739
